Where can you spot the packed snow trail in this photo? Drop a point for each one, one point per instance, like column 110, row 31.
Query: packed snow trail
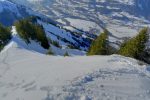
column 28, row 75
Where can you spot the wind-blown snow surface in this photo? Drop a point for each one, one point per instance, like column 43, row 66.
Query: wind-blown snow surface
column 27, row 75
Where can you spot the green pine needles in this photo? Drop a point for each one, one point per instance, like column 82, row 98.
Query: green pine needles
column 28, row 30
column 135, row 46
column 100, row 45
column 5, row 36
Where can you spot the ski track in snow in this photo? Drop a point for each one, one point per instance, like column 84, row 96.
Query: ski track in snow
column 105, row 84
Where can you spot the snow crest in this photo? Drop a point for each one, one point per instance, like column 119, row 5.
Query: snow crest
column 28, row 75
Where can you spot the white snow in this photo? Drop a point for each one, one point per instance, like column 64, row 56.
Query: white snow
column 53, row 32
column 83, row 24
column 19, row 43
column 34, row 46
column 127, row 2
column 94, row 15
column 26, row 75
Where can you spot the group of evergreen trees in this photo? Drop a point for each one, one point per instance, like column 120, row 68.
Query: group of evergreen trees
column 5, row 36
column 32, row 31
column 134, row 47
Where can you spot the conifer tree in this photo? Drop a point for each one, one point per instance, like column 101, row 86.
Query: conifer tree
column 135, row 46
column 5, row 36
column 32, row 31
column 100, row 45
column 66, row 54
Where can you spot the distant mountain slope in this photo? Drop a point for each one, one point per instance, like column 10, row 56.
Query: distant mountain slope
column 123, row 18
column 65, row 39
column 60, row 39
column 10, row 12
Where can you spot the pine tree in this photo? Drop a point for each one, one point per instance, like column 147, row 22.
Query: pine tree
column 135, row 46
column 100, row 45
column 29, row 30
column 66, row 54
column 5, row 36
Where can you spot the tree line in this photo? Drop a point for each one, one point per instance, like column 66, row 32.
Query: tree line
column 28, row 31
column 134, row 47
column 5, row 36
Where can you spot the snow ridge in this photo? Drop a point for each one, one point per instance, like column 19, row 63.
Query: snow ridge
column 17, row 42
column 81, row 78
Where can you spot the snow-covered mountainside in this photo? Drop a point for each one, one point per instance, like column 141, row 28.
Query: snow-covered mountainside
column 28, row 75
column 66, row 39
column 10, row 12
column 74, row 43
column 123, row 18
column 77, row 39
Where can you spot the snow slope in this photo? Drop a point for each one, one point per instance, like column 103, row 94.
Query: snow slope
column 27, row 75
column 55, row 32
column 34, row 46
column 64, row 37
column 17, row 42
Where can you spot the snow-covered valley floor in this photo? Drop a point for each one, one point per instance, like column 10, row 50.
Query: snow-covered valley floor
column 27, row 75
